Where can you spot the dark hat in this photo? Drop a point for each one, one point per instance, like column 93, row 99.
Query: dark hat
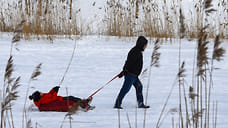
column 36, row 96
column 141, row 42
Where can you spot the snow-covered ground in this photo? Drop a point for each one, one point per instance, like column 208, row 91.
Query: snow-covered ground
column 96, row 61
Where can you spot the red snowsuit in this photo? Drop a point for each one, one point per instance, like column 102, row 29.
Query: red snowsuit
column 48, row 97
column 51, row 102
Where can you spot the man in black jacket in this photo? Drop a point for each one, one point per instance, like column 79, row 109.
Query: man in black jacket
column 131, row 71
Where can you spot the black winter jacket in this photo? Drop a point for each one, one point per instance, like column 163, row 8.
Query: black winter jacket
column 134, row 62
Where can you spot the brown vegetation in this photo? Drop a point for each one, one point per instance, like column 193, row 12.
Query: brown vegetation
column 121, row 18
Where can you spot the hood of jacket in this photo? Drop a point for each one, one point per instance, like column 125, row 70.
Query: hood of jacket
column 141, row 42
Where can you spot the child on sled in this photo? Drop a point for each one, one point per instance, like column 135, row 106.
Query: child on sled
column 52, row 102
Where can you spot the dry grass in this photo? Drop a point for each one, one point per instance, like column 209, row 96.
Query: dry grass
column 161, row 18
column 9, row 91
column 43, row 18
column 122, row 18
column 33, row 77
column 155, row 56
column 198, row 111
column 9, row 94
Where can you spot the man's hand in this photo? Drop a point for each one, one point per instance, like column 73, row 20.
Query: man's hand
column 121, row 74
column 56, row 88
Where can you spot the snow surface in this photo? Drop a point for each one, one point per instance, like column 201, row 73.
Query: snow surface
column 96, row 61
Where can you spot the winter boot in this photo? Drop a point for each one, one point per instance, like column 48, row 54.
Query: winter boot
column 117, row 107
column 141, row 105
column 91, row 107
column 85, row 104
column 89, row 100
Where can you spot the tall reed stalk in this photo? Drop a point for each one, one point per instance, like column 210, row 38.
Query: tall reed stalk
column 10, row 85
column 180, row 83
column 33, row 77
column 68, row 66
column 118, row 111
column 154, row 62
column 158, row 123
column 218, row 53
column 200, row 91
column 9, row 94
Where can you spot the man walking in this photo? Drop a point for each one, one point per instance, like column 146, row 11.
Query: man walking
column 131, row 71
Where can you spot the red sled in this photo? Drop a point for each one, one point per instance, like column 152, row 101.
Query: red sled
column 59, row 106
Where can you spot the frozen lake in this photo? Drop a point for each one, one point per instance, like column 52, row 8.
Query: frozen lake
column 96, row 61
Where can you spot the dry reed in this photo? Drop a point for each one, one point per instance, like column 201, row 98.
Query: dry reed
column 9, row 94
column 154, row 62
column 34, row 75
column 122, row 18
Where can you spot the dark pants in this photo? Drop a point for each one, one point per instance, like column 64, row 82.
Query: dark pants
column 75, row 99
column 128, row 82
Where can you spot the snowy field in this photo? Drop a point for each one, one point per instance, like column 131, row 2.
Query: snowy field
column 96, row 61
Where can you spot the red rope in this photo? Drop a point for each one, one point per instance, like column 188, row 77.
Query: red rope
column 103, row 86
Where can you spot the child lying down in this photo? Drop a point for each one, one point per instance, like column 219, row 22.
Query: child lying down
column 52, row 102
